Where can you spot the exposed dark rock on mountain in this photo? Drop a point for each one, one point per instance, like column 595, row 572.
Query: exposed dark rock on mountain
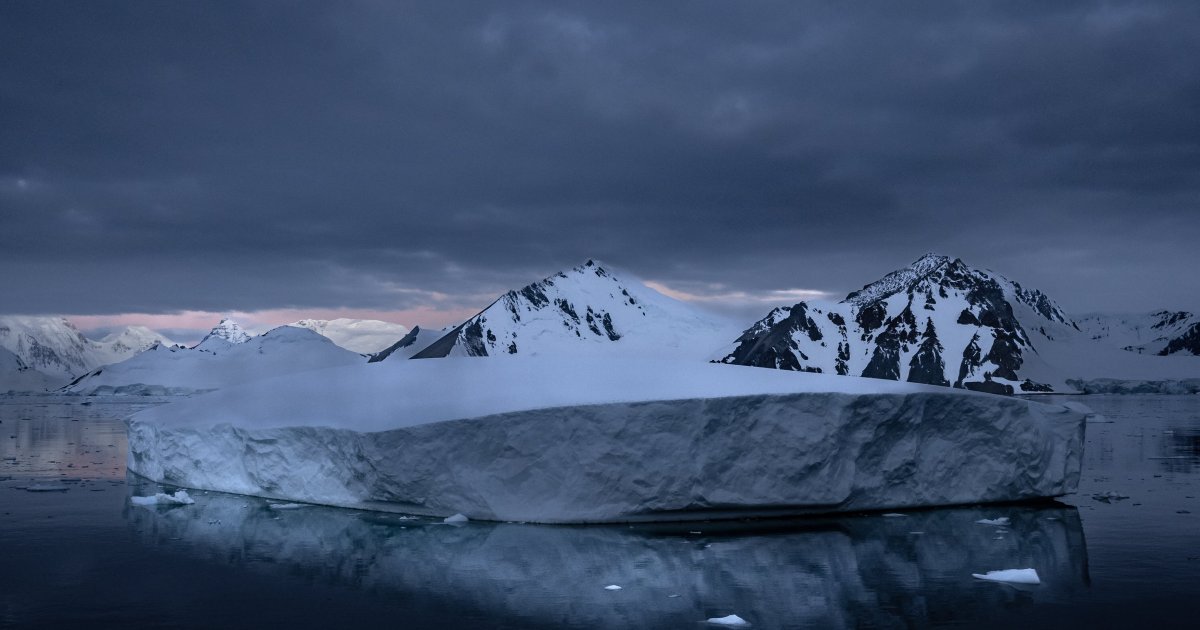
column 904, row 327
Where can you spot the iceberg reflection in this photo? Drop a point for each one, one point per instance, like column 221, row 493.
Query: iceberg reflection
column 848, row 571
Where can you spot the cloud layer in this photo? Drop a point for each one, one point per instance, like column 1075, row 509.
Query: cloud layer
column 161, row 157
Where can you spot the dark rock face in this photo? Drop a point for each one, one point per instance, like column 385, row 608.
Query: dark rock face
column 972, row 359
column 773, row 346
column 1187, row 343
column 991, row 387
column 927, row 365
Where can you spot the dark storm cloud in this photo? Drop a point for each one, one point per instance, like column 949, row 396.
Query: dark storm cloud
column 215, row 156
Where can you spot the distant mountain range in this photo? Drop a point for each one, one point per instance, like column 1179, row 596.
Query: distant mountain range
column 54, row 347
column 224, row 358
column 937, row 321
column 942, row 322
column 1163, row 332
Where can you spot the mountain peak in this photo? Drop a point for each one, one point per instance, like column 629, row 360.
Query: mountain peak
column 589, row 308
column 227, row 332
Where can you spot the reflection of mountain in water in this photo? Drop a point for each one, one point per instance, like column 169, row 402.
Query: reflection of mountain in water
column 843, row 572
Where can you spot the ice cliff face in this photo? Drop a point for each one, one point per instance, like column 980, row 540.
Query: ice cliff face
column 594, row 441
column 1161, row 333
column 53, row 346
column 215, row 363
column 364, row 336
column 938, row 322
column 589, row 310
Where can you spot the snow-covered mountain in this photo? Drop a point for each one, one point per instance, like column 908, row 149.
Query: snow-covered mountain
column 364, row 336
column 942, row 322
column 178, row 370
column 1161, row 332
column 225, row 334
column 15, row 376
column 53, row 346
column 591, row 310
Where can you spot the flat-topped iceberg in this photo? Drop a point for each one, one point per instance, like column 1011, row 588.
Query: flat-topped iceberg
column 571, row 440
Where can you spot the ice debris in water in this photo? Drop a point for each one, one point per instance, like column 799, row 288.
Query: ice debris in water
column 457, row 518
column 286, row 506
column 1011, row 576
column 893, row 515
column 612, row 587
column 729, row 620
column 1109, row 497
column 1003, row 520
column 179, row 498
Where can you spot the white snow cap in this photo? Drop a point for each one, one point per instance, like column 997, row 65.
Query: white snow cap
column 1011, row 576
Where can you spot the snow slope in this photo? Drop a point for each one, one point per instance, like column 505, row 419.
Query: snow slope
column 415, row 341
column 584, row 439
column 15, row 376
column 179, row 370
column 1160, row 332
column 53, row 346
column 942, row 322
column 590, row 310
column 364, row 336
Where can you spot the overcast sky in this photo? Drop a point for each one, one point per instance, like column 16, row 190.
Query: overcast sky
column 412, row 161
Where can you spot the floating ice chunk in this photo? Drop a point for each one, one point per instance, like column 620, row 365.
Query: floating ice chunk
column 612, row 587
column 894, row 515
column 179, row 498
column 729, row 620
column 1109, row 497
column 46, row 487
column 1003, row 520
column 457, row 518
column 1012, row 576
column 286, row 506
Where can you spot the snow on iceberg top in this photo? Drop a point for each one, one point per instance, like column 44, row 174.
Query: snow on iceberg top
column 399, row 394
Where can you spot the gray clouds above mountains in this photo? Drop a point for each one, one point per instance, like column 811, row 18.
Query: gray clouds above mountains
column 214, row 156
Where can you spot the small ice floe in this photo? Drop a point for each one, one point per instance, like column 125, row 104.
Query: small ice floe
column 179, row 498
column 894, row 515
column 47, row 487
column 1010, row 576
column 612, row 587
column 729, row 620
column 1002, row 521
column 286, row 506
column 456, row 519
column 1109, row 497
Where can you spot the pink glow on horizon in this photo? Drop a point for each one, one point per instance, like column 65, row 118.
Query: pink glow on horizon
column 266, row 319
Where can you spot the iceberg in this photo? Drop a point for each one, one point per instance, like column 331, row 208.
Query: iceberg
column 569, row 440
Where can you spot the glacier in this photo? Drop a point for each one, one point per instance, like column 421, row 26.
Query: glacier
column 561, row 440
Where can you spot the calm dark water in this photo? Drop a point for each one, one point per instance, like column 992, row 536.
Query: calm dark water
column 84, row 556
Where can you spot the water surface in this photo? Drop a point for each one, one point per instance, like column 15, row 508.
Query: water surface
column 84, row 555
